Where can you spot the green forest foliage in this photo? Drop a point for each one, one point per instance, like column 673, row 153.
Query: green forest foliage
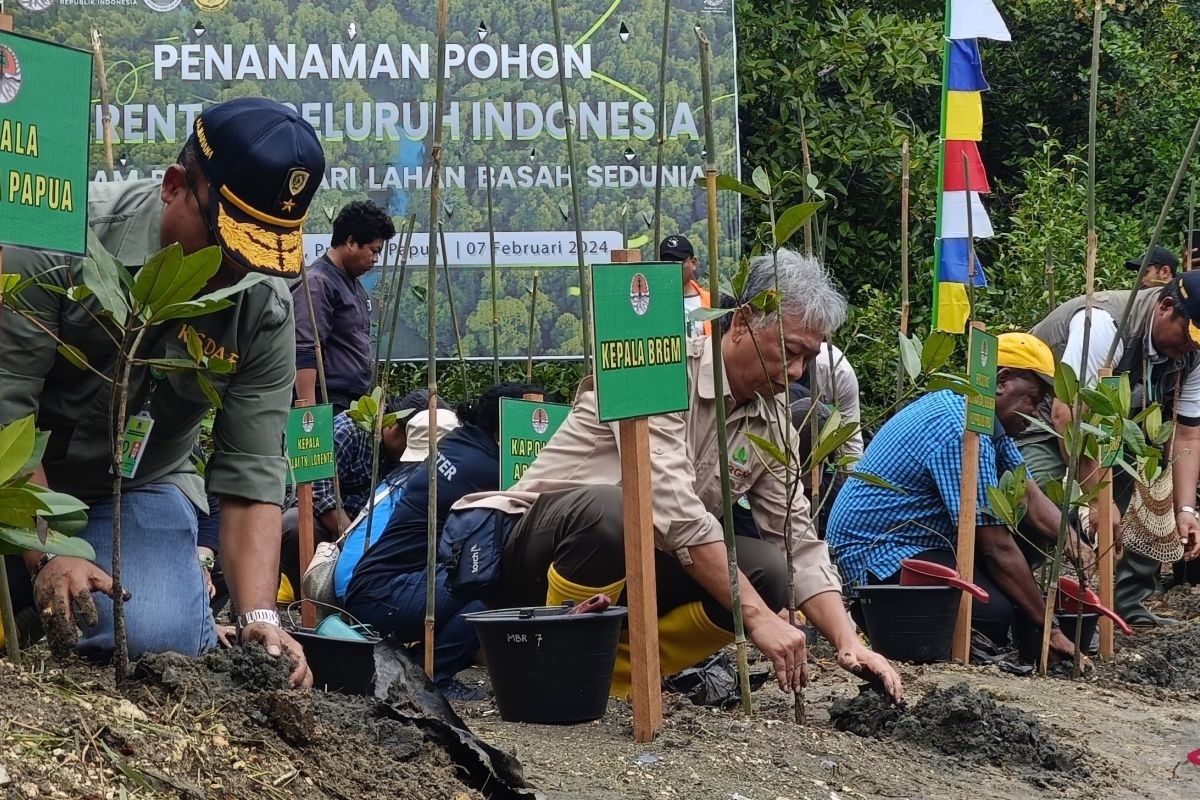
column 864, row 76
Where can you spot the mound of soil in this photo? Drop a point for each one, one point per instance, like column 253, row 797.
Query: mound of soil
column 1170, row 660
column 1182, row 602
column 961, row 722
column 226, row 726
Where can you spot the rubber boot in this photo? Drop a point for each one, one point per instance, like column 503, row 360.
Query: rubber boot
column 561, row 590
column 1136, row 580
column 686, row 636
column 286, row 594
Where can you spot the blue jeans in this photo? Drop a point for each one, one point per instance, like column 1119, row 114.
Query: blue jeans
column 169, row 608
column 397, row 608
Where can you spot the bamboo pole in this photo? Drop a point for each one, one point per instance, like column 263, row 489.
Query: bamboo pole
column 532, row 323
column 714, row 280
column 389, row 301
column 405, row 250
column 462, row 357
column 1104, row 561
column 11, row 636
column 1075, row 453
column 1050, row 277
column 1187, row 236
column 806, row 192
column 435, row 186
column 495, row 279
column 660, row 126
column 585, row 278
column 105, row 109
column 905, row 303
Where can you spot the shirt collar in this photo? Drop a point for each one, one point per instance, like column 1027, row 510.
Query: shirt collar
column 1151, row 353
column 704, row 381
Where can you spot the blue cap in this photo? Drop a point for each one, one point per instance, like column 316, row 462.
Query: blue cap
column 264, row 164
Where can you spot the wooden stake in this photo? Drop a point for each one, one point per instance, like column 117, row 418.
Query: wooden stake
column 1104, row 564
column 304, row 499
column 968, row 499
column 904, row 192
column 106, row 109
column 645, row 672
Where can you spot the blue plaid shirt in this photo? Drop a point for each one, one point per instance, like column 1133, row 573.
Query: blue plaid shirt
column 871, row 528
column 352, row 450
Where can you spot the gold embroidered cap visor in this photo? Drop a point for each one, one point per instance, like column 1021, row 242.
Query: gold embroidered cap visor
column 257, row 244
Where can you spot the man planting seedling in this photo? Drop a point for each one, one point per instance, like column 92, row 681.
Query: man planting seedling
column 243, row 182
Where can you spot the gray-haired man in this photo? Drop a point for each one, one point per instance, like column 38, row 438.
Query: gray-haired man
column 568, row 542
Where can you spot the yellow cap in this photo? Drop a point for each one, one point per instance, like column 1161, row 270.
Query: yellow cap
column 1026, row 351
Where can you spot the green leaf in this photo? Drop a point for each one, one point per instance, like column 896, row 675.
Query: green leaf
column 740, row 278
column 73, row 354
column 188, row 309
column 1098, row 402
column 1125, row 395
column 17, row 440
column 1066, row 385
column 708, row 314
column 1000, row 506
column 40, row 440
column 792, row 220
column 156, row 275
column 812, row 181
column 1134, row 439
column 1153, row 421
column 19, row 506
column 955, row 383
column 14, row 541
column 220, row 366
column 206, row 303
column 56, row 504
column 1055, row 493
column 194, row 347
column 831, row 440
column 770, row 448
column 173, row 364
column 195, row 272
column 78, row 293
column 937, row 350
column 875, row 480
column 759, row 179
column 102, row 275
column 732, row 184
column 910, row 356
column 208, row 390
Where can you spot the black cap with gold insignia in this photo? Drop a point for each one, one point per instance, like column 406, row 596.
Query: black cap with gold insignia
column 1188, row 286
column 264, row 164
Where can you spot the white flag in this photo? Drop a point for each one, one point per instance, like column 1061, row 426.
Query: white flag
column 954, row 216
column 977, row 19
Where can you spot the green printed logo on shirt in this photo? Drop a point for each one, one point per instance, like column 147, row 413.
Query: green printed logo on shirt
column 740, row 455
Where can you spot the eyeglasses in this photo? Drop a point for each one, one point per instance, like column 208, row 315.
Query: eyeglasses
column 212, row 233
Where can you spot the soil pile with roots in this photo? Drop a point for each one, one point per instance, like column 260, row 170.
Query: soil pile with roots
column 1169, row 660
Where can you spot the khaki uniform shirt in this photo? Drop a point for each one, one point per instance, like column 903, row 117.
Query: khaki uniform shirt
column 685, row 474
column 257, row 334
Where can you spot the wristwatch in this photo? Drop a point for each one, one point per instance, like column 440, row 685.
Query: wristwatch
column 268, row 615
column 1190, row 510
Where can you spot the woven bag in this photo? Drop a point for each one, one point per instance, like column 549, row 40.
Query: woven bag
column 1148, row 527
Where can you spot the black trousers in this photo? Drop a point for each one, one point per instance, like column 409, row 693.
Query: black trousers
column 581, row 532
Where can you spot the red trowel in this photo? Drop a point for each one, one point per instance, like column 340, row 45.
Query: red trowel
column 1071, row 598
column 915, row 572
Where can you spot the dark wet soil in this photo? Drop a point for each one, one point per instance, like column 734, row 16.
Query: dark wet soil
column 1168, row 660
column 964, row 723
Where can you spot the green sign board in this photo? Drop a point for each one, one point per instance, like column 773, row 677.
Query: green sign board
column 638, row 335
column 525, row 427
column 45, row 104
column 982, row 349
column 310, row 443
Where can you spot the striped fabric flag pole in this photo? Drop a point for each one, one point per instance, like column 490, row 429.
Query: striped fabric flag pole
column 961, row 215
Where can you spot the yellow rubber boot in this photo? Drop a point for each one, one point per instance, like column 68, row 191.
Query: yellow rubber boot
column 686, row 636
column 561, row 590
column 286, row 593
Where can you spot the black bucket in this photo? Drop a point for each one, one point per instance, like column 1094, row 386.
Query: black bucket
column 911, row 623
column 339, row 665
column 548, row 666
column 1068, row 622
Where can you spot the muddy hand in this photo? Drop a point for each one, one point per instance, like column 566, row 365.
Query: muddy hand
column 1063, row 649
column 276, row 642
column 785, row 647
column 63, row 594
column 226, row 635
column 870, row 666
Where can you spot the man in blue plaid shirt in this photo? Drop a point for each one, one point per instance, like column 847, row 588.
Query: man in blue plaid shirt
column 919, row 451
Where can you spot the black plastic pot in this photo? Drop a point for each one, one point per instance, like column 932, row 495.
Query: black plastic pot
column 1068, row 623
column 339, row 665
column 548, row 666
column 911, row 623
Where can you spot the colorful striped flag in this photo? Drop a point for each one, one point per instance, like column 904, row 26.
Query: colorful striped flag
column 961, row 215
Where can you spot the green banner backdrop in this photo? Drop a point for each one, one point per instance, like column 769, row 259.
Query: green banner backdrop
column 362, row 72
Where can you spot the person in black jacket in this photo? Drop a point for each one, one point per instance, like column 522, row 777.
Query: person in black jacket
column 387, row 590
